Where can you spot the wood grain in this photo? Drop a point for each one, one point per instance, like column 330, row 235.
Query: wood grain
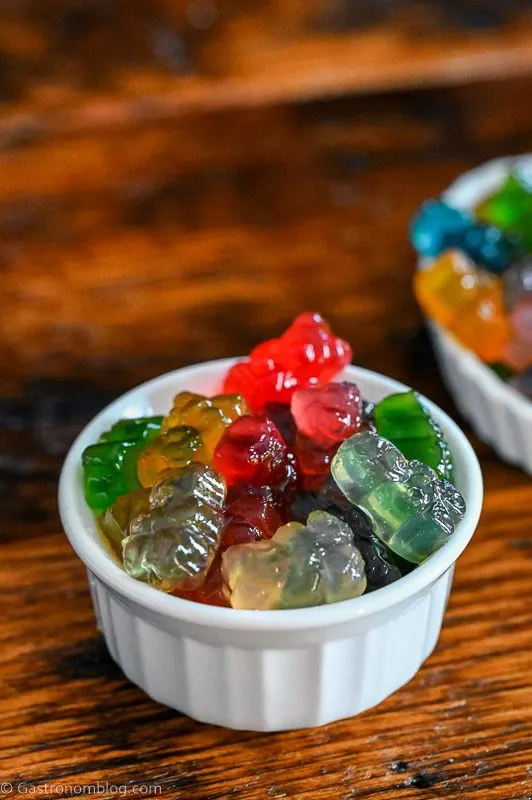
column 108, row 62
column 212, row 238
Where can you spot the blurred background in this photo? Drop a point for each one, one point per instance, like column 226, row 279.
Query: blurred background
column 180, row 178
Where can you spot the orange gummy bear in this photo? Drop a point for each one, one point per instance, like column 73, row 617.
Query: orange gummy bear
column 189, row 433
column 210, row 416
column 467, row 302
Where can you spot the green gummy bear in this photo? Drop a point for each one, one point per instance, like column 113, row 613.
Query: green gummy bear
column 402, row 420
column 510, row 208
column 412, row 510
column 130, row 430
column 110, row 466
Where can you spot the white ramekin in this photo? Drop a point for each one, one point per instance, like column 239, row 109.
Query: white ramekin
column 264, row 670
column 498, row 414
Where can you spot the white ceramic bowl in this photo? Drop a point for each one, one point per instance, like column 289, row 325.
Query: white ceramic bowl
column 498, row 414
column 264, row 670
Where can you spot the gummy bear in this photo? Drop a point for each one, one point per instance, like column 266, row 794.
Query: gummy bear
column 173, row 545
column 310, row 350
column 307, row 354
column 281, row 415
column 313, row 462
column 382, row 566
column 211, row 591
column 412, row 510
column 209, row 416
column 368, row 416
column 517, row 285
column 467, row 302
column 517, row 281
column 402, row 420
column 173, row 449
column 110, row 466
column 251, row 518
column 327, row 414
column 252, row 452
column 301, row 566
column 116, row 520
column 510, row 208
column 133, row 430
column 519, row 350
column 438, row 227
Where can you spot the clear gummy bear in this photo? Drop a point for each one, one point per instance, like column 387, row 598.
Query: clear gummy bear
column 413, row 512
column 174, row 543
column 302, row 565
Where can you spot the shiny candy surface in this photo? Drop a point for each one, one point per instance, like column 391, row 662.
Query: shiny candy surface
column 302, row 565
column 510, row 208
column 519, row 350
column 467, row 302
column 250, row 518
column 110, row 466
column 208, row 416
column 313, row 461
column 435, row 224
column 215, row 504
column 402, row 420
column 438, row 227
column 116, row 520
column 413, row 512
column 327, row 414
column 173, row 449
column 281, row 415
column 382, row 567
column 251, row 451
column 307, row 354
column 211, row 590
column 173, row 544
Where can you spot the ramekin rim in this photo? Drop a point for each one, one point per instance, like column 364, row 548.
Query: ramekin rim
column 110, row 573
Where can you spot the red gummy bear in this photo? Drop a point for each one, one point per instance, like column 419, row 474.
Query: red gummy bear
column 253, row 452
column 328, row 414
column 283, row 420
column 313, row 461
column 250, row 518
column 211, row 590
column 307, row 354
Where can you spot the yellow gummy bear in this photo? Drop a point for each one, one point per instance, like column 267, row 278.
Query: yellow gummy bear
column 467, row 302
column 174, row 449
column 209, row 416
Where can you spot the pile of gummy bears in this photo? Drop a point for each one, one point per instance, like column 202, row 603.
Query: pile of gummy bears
column 285, row 491
column 478, row 280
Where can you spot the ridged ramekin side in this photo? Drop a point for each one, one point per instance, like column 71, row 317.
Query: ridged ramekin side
column 496, row 412
column 325, row 676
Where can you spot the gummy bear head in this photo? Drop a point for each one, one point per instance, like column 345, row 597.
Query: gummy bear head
column 364, row 460
column 311, row 351
column 195, row 482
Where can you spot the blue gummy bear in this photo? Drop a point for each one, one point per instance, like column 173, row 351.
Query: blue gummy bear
column 489, row 247
column 434, row 224
column 438, row 227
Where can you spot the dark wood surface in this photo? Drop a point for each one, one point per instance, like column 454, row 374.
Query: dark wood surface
column 68, row 64
column 137, row 250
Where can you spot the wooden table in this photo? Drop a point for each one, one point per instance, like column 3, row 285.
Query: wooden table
column 151, row 246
